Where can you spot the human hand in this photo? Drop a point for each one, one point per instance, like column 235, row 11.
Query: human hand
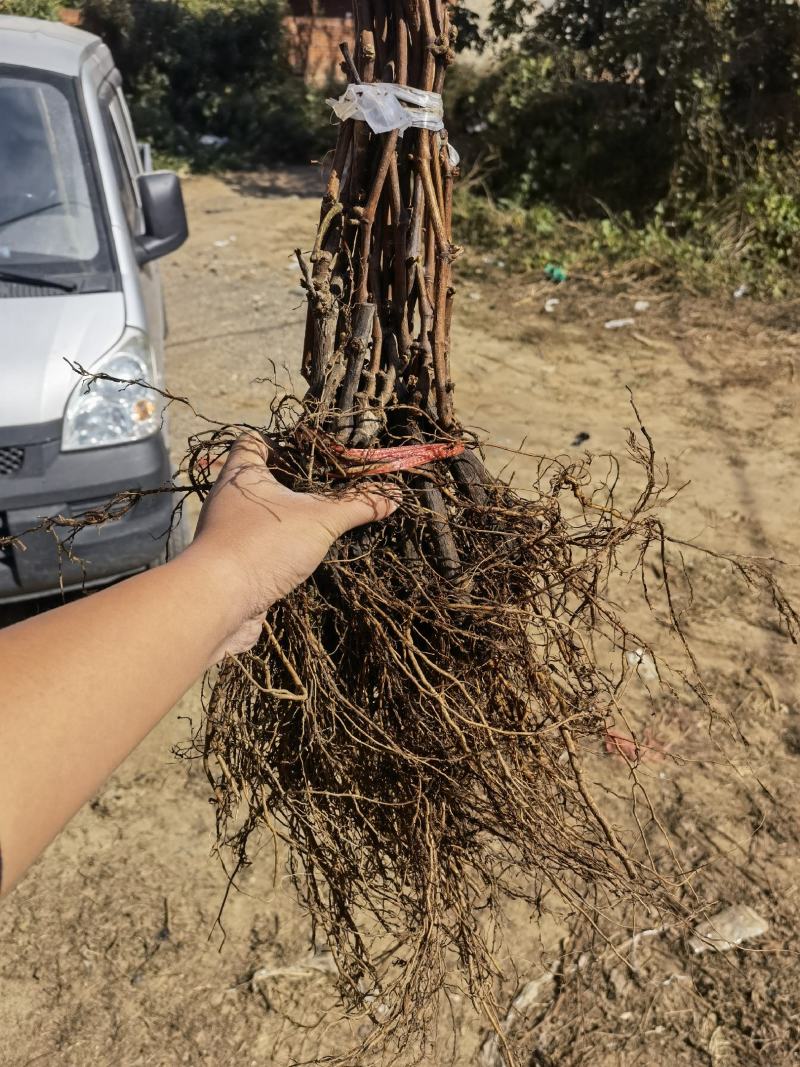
column 264, row 540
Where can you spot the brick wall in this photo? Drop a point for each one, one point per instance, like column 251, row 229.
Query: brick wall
column 314, row 45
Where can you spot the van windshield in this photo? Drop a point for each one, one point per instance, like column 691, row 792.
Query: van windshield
column 51, row 225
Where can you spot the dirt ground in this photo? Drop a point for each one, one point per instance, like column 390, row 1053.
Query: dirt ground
column 111, row 954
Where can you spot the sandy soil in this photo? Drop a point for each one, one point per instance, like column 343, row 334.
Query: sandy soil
column 111, row 954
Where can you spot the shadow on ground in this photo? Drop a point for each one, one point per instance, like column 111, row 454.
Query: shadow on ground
column 305, row 182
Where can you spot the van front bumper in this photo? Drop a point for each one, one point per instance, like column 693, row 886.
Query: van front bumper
column 49, row 483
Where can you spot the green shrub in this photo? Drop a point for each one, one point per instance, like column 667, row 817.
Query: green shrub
column 32, row 9
column 578, row 143
column 660, row 131
column 628, row 103
column 217, row 67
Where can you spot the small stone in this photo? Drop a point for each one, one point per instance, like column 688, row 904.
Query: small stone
column 643, row 663
column 727, row 929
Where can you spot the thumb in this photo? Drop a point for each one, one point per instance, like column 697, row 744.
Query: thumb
column 248, row 450
column 361, row 506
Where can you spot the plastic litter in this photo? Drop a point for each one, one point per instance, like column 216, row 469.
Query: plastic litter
column 619, row 324
column 452, row 155
column 740, row 291
column 727, row 929
column 555, row 272
column 580, row 438
column 643, row 663
column 551, row 304
column 210, row 140
column 385, row 106
column 641, row 305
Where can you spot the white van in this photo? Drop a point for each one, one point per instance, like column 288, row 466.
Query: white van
column 82, row 221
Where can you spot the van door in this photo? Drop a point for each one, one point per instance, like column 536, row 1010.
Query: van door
column 127, row 167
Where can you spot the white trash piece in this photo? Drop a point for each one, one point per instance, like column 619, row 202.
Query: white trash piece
column 385, row 106
column 643, row 664
column 619, row 324
column 728, row 929
column 551, row 304
column 641, row 305
column 740, row 291
column 452, row 154
column 210, row 140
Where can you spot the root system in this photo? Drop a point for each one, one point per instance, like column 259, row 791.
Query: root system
column 417, row 739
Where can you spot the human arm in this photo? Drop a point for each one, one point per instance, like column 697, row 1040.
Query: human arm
column 82, row 685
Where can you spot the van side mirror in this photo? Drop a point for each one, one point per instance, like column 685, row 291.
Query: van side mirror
column 165, row 225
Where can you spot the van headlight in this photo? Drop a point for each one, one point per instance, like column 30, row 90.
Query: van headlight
column 100, row 413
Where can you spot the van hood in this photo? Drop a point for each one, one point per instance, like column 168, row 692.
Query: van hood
column 37, row 336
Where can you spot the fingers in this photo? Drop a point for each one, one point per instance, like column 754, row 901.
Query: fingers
column 251, row 453
column 249, row 447
column 249, row 450
column 363, row 506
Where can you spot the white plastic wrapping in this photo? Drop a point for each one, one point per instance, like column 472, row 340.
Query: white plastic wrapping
column 452, row 155
column 385, row 106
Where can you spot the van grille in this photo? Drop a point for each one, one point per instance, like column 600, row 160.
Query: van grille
column 11, row 459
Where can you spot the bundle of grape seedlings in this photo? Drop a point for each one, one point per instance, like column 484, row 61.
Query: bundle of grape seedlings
column 413, row 721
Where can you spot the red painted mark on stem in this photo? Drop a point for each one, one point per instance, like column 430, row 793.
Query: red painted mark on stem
column 401, row 458
column 361, row 461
